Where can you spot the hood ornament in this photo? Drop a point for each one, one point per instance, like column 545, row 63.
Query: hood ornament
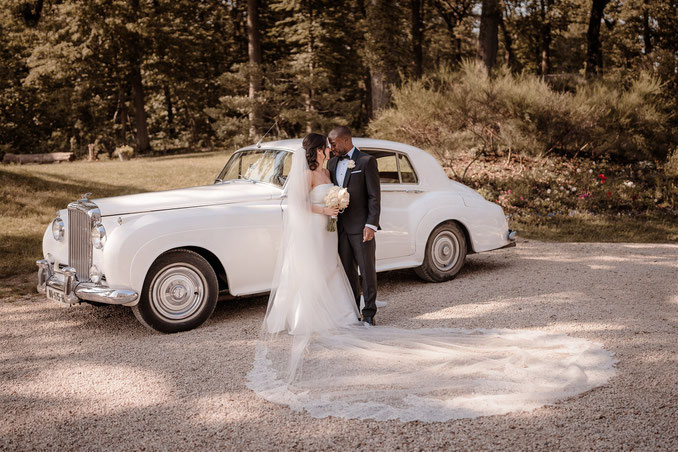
column 85, row 197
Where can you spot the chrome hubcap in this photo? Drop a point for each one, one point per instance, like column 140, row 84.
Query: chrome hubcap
column 445, row 251
column 178, row 291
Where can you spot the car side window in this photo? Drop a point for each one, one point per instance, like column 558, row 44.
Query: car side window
column 407, row 174
column 388, row 167
column 394, row 168
column 283, row 170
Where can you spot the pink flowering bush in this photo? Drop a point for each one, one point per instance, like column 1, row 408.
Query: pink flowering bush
column 555, row 186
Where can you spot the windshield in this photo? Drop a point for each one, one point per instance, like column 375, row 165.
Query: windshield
column 260, row 165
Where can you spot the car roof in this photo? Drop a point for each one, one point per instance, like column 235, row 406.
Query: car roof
column 429, row 170
column 295, row 144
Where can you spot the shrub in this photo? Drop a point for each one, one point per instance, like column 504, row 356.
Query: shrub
column 452, row 112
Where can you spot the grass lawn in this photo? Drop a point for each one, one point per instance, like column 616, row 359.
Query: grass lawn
column 31, row 194
column 599, row 228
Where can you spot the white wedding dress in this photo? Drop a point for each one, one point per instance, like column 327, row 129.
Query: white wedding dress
column 314, row 355
column 289, row 312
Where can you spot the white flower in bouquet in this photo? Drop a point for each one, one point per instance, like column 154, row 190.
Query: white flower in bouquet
column 344, row 198
column 336, row 197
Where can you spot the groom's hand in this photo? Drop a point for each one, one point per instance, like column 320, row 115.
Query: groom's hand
column 368, row 234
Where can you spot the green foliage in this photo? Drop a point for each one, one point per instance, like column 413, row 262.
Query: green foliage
column 451, row 112
column 316, row 86
column 66, row 74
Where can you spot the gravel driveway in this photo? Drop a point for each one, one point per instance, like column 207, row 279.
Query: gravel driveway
column 94, row 378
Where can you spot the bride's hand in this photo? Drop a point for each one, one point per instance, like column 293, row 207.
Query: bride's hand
column 331, row 211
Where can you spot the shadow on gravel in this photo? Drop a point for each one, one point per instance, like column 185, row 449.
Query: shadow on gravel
column 65, row 371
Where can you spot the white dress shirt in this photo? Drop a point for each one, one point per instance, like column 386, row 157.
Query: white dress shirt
column 342, row 167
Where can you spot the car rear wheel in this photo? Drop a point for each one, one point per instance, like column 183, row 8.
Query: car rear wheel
column 444, row 255
column 180, row 292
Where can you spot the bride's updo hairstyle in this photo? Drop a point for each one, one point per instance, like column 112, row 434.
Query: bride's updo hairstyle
column 312, row 142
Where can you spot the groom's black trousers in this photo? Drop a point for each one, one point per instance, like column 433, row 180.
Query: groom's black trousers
column 353, row 251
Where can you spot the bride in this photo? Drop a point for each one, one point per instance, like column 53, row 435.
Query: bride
column 314, row 354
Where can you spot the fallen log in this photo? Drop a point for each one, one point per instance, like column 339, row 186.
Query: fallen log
column 51, row 157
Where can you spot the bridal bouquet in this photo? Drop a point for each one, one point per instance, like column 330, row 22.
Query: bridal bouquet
column 336, row 197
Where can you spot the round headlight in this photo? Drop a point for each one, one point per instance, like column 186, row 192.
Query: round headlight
column 58, row 228
column 98, row 236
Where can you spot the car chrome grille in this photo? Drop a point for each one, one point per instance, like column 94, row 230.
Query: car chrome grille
column 79, row 243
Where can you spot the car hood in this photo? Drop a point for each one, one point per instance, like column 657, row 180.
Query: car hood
column 222, row 193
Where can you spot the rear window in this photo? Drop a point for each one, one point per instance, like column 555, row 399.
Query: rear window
column 394, row 168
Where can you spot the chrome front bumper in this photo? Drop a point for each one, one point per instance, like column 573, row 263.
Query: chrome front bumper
column 63, row 286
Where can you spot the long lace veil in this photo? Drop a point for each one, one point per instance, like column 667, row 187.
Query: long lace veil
column 276, row 346
column 428, row 374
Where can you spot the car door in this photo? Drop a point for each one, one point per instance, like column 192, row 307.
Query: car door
column 399, row 189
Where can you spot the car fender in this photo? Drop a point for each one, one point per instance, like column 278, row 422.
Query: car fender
column 446, row 208
column 131, row 250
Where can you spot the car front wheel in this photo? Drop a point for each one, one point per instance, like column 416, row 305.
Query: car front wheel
column 444, row 255
column 180, row 292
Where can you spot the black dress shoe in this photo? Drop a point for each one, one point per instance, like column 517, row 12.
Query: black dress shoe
column 369, row 320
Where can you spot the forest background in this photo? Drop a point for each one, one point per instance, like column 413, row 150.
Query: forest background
column 561, row 111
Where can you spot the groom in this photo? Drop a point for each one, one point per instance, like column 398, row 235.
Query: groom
column 357, row 171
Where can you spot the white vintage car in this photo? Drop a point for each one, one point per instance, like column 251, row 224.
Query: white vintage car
column 170, row 254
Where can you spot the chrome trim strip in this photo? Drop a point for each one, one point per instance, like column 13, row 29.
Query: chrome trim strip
column 402, row 190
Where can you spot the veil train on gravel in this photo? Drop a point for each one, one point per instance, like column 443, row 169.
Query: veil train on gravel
column 314, row 355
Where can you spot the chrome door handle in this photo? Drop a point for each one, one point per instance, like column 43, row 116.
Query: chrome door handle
column 403, row 191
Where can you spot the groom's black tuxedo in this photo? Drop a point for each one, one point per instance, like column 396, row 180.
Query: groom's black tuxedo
column 362, row 182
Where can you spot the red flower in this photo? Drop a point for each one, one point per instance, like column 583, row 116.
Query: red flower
column 609, row 193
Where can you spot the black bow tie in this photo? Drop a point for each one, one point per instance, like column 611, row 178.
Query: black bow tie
column 342, row 157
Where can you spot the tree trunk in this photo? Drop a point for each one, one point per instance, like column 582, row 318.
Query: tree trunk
column 508, row 43
column 488, row 34
column 417, row 23
column 254, row 51
column 143, row 142
column 453, row 13
column 121, row 114
column 647, row 31
column 171, row 131
column 136, row 83
column 32, row 15
column 367, row 79
column 311, row 69
column 545, row 63
column 594, row 53
column 380, row 20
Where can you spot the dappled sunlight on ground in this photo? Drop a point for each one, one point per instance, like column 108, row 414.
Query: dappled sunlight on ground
column 84, row 375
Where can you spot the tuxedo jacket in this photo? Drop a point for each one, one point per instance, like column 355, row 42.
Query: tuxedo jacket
column 362, row 183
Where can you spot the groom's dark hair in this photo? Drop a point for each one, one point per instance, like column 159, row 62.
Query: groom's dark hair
column 341, row 132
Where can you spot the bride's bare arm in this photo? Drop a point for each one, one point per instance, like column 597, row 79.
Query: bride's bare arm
column 320, row 209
